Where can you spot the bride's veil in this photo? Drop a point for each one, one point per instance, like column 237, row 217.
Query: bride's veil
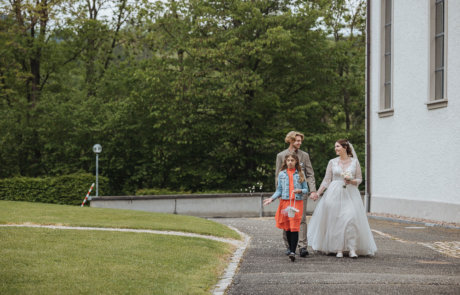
column 352, row 150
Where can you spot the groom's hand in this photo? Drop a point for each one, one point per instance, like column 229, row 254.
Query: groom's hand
column 314, row 196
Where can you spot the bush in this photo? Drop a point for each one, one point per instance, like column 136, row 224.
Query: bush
column 67, row 189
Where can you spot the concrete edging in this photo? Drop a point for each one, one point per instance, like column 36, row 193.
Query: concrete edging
column 229, row 273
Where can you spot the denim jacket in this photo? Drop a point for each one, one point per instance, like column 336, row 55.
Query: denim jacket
column 283, row 186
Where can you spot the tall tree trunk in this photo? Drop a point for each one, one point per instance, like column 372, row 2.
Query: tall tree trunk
column 346, row 107
column 120, row 21
column 91, row 51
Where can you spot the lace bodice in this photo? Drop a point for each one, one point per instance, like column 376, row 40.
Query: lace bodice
column 334, row 171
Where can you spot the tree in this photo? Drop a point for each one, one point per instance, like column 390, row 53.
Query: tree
column 182, row 94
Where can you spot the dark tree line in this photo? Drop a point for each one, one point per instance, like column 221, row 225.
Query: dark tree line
column 188, row 95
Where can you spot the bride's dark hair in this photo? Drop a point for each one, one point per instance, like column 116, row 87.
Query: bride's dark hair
column 346, row 145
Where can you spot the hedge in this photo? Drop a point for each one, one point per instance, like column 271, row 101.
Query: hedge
column 67, row 189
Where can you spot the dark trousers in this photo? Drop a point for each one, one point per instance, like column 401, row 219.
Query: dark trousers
column 303, row 228
column 293, row 239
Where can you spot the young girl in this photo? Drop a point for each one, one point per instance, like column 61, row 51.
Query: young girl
column 291, row 186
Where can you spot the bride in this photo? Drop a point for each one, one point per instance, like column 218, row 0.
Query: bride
column 339, row 222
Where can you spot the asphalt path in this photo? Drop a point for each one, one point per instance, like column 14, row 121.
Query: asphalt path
column 411, row 259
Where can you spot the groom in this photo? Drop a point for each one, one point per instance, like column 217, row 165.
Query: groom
column 294, row 139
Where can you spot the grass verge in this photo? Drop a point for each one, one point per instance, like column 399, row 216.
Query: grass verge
column 52, row 261
column 38, row 213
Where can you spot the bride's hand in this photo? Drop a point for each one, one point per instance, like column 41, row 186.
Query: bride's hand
column 314, row 196
column 349, row 181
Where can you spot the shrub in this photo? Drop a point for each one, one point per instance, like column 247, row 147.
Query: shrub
column 66, row 189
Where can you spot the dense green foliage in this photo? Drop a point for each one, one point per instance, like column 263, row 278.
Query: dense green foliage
column 187, row 95
column 68, row 189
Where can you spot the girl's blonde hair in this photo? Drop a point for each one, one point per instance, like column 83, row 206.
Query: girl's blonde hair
column 297, row 166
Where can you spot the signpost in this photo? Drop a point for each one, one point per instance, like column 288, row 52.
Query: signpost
column 97, row 149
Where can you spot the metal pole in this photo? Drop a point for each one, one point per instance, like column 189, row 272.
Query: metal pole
column 367, row 195
column 97, row 175
column 261, row 212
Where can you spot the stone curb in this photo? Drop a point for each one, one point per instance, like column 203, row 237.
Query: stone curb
column 227, row 277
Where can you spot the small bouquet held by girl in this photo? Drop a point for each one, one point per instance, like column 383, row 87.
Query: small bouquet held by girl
column 291, row 210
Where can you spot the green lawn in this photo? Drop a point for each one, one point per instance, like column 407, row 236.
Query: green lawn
column 53, row 261
column 25, row 212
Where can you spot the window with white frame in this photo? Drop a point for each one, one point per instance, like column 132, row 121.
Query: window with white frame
column 439, row 51
column 386, row 97
column 438, row 39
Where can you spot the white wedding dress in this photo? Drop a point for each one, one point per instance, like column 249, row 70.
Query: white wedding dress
column 339, row 222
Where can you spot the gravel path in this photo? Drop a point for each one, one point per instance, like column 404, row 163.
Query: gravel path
column 411, row 259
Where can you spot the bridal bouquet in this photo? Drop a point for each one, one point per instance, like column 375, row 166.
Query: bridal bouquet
column 347, row 176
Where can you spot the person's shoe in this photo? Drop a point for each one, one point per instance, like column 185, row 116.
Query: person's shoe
column 292, row 256
column 339, row 254
column 303, row 252
column 353, row 254
column 288, row 251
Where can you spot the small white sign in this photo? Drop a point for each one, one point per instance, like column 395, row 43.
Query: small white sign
column 97, row 148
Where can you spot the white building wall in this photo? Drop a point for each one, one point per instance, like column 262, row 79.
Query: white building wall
column 415, row 154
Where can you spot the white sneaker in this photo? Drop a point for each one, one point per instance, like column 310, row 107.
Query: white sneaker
column 353, row 254
column 339, row 254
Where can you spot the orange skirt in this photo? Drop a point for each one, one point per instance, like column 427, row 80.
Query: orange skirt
column 286, row 223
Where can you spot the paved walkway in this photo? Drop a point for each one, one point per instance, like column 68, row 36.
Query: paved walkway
column 411, row 259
